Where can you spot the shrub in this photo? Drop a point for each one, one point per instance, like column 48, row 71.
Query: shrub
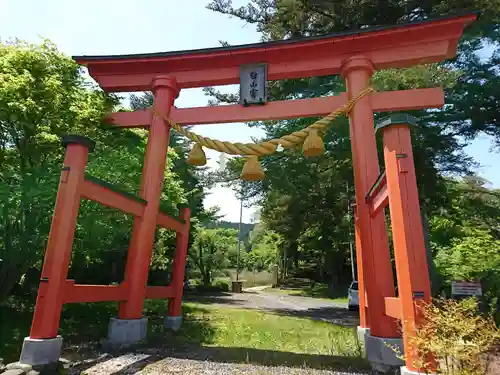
column 461, row 339
column 218, row 287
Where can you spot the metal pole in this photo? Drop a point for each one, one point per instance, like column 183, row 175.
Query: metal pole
column 239, row 240
column 353, row 269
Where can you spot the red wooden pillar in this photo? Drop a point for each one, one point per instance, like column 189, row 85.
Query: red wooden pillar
column 179, row 266
column 57, row 256
column 143, row 234
column 363, row 314
column 407, row 232
column 373, row 254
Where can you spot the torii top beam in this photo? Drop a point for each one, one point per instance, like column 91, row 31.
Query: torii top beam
column 396, row 46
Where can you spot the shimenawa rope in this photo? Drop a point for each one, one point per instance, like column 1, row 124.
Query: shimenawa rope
column 266, row 147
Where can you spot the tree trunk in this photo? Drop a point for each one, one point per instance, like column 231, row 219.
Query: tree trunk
column 9, row 277
column 296, row 256
column 206, row 279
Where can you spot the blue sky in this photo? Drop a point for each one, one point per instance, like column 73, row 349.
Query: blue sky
column 108, row 27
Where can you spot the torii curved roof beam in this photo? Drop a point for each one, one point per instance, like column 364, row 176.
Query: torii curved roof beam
column 397, row 46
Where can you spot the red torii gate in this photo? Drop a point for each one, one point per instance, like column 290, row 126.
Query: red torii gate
column 355, row 56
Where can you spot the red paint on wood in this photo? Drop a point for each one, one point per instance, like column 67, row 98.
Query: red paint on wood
column 179, row 265
column 144, row 227
column 375, row 256
column 379, row 202
column 407, row 100
column 396, row 47
column 157, row 292
column 393, row 307
column 285, row 109
column 364, row 321
column 408, row 237
column 311, row 65
column 110, row 198
column 378, row 198
column 168, row 222
column 78, row 293
column 135, row 119
column 58, row 253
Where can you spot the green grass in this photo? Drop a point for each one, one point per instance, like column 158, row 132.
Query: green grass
column 340, row 300
column 267, row 331
column 251, row 336
column 318, row 291
column 233, row 335
column 250, row 278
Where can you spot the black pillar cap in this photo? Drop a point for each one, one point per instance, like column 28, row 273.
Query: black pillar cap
column 396, row 119
column 78, row 139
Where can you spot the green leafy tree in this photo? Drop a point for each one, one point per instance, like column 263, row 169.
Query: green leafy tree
column 43, row 96
column 464, row 237
column 471, row 257
column 209, row 252
column 475, row 256
column 264, row 249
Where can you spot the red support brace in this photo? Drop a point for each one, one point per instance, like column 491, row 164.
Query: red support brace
column 155, row 292
column 179, row 266
column 165, row 221
column 377, row 197
column 407, row 232
column 55, row 266
column 110, row 198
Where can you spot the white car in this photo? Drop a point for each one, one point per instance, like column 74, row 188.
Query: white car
column 353, row 296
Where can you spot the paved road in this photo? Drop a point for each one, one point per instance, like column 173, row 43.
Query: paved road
column 313, row 308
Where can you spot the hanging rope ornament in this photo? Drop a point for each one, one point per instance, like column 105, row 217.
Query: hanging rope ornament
column 252, row 170
column 313, row 145
column 197, row 156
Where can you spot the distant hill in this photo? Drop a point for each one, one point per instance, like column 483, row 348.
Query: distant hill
column 245, row 228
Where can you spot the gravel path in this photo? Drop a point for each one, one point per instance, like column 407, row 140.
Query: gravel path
column 151, row 362
column 262, row 299
column 130, row 363
column 191, row 367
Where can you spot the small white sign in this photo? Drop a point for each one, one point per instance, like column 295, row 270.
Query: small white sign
column 466, row 288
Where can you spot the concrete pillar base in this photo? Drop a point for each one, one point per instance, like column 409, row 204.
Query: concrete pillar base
column 173, row 322
column 41, row 351
column 362, row 333
column 405, row 371
column 383, row 353
column 126, row 332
